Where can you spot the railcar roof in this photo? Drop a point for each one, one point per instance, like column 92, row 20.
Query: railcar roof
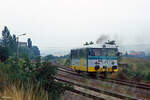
column 96, row 46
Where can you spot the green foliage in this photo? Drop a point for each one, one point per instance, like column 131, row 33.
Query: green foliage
column 51, row 57
column 24, row 70
column 67, row 61
column 119, row 59
column 4, row 53
column 6, row 37
column 43, row 73
column 30, row 52
column 36, row 51
column 138, row 72
column 25, row 51
column 9, row 41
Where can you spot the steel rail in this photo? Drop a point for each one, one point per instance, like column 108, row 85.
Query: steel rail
column 117, row 81
column 97, row 90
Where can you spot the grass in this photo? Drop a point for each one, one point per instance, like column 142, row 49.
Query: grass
column 14, row 92
column 18, row 91
column 20, row 81
column 135, row 60
column 138, row 69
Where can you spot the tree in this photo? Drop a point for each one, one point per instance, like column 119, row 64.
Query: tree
column 25, row 51
column 6, row 37
column 13, row 45
column 9, row 41
column 4, row 53
column 29, row 43
column 36, row 51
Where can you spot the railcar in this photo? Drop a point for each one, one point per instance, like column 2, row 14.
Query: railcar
column 95, row 58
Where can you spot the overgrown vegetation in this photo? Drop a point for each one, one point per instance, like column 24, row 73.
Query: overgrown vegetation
column 138, row 69
column 11, row 42
column 25, row 72
column 30, row 92
column 62, row 60
column 22, row 78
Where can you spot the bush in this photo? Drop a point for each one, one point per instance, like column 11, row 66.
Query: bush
column 17, row 91
column 4, row 53
column 137, row 71
column 148, row 76
column 24, row 71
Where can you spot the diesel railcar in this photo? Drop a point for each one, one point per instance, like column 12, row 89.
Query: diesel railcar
column 95, row 58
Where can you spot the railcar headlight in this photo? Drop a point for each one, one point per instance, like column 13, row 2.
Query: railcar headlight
column 114, row 67
column 97, row 67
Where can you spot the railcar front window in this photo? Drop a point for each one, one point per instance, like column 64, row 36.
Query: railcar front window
column 91, row 52
column 103, row 52
column 111, row 52
column 95, row 52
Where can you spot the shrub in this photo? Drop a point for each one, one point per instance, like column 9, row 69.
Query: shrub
column 24, row 71
column 4, row 53
column 135, row 71
column 148, row 76
column 17, row 91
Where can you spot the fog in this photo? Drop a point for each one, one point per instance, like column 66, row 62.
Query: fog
column 61, row 24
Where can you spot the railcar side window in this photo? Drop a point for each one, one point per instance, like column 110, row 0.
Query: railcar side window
column 74, row 53
column 82, row 53
column 77, row 54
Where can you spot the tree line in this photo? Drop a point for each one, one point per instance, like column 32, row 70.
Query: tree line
column 9, row 46
column 24, row 73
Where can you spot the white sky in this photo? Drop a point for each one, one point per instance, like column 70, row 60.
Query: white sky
column 69, row 23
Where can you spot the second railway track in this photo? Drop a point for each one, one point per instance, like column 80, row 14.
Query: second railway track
column 68, row 70
column 123, row 82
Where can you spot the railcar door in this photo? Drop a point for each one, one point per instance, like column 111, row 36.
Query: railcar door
column 83, row 64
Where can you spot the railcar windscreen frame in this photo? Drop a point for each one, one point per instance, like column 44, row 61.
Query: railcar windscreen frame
column 103, row 52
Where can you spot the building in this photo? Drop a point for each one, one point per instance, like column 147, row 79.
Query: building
column 22, row 44
column 137, row 54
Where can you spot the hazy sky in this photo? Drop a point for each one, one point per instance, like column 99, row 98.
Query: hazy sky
column 69, row 23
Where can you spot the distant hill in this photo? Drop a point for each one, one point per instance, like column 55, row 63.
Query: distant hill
column 122, row 48
column 55, row 52
column 139, row 47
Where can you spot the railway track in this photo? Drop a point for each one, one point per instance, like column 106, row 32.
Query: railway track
column 85, row 90
column 94, row 93
column 123, row 82
column 131, row 84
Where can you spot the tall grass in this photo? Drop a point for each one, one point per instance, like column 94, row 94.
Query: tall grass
column 10, row 90
column 138, row 70
column 15, row 92
column 19, row 80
